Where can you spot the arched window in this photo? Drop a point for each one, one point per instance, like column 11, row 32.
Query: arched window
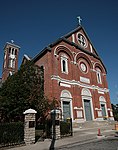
column 12, row 51
column 9, row 50
column 64, row 64
column 15, row 51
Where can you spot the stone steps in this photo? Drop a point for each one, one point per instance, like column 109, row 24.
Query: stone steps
column 93, row 124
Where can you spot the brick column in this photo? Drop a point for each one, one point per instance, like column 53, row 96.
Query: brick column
column 29, row 127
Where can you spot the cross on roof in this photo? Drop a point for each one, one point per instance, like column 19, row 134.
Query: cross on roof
column 12, row 41
column 79, row 20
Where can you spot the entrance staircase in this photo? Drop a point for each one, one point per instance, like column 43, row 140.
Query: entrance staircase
column 93, row 124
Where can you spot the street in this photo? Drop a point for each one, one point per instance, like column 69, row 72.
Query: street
column 103, row 144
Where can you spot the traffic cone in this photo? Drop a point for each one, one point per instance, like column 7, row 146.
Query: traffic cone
column 99, row 132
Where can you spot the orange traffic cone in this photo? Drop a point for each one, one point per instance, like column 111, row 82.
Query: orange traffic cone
column 99, row 132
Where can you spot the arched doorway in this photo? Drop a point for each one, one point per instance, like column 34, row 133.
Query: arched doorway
column 103, row 106
column 87, row 104
column 66, row 104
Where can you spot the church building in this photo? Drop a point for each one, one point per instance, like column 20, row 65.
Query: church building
column 74, row 74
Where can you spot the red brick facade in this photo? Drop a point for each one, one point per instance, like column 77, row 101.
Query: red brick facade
column 75, row 75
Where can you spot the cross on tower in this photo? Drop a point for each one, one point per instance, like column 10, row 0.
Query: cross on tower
column 79, row 20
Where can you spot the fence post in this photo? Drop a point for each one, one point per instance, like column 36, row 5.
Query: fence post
column 29, row 127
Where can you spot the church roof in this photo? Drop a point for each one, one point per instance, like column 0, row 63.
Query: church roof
column 64, row 39
column 25, row 58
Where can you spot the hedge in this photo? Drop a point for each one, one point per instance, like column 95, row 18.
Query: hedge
column 11, row 133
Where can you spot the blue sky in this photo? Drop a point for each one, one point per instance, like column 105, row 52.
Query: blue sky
column 33, row 24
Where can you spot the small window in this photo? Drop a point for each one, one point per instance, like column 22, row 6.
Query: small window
column 98, row 73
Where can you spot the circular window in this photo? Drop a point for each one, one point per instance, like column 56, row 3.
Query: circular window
column 83, row 67
column 82, row 40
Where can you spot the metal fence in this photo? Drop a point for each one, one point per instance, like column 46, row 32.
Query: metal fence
column 11, row 133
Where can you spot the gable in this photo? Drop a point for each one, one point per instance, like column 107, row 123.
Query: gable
column 80, row 38
column 71, row 39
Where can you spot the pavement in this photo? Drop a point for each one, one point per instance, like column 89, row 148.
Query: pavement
column 80, row 135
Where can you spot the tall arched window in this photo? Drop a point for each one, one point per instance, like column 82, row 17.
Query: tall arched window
column 64, row 64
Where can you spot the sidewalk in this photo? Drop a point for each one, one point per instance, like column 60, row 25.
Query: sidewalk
column 79, row 136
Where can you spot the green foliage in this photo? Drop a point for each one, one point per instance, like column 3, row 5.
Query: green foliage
column 23, row 90
column 11, row 133
column 115, row 111
column 64, row 128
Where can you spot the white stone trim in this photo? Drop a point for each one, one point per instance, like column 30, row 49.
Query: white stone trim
column 98, row 109
column 85, row 80
column 75, row 58
column 73, row 38
column 67, row 99
column 100, row 92
column 73, row 82
column 91, row 48
column 78, row 108
column 65, row 85
column 102, row 99
column 30, row 111
column 60, row 46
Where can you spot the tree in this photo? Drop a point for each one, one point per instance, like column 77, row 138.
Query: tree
column 23, row 90
column 115, row 111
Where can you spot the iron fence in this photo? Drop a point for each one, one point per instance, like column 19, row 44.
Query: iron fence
column 11, row 133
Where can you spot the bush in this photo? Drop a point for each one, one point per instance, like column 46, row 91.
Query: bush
column 11, row 133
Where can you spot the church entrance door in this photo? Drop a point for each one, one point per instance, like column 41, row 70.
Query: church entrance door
column 87, row 108
column 103, row 110
column 66, row 110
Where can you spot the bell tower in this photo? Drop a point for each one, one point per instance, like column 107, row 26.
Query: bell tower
column 10, row 62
